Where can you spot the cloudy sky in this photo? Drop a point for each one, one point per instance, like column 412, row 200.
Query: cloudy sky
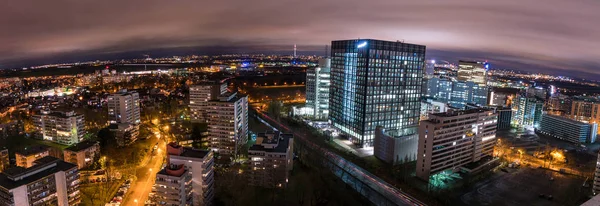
column 554, row 36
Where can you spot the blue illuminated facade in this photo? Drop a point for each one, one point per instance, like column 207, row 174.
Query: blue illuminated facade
column 375, row 83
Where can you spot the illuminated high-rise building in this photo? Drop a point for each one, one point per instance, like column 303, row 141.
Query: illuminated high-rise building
column 61, row 126
column 200, row 94
column 318, row 82
column 473, row 71
column 527, row 111
column 375, row 83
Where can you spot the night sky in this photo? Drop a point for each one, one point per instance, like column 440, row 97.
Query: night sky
column 553, row 36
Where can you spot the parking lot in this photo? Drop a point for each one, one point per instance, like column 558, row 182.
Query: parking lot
column 528, row 186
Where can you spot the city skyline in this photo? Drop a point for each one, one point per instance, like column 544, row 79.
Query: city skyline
column 505, row 33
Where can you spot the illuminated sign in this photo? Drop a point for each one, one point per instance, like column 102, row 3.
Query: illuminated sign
column 361, row 45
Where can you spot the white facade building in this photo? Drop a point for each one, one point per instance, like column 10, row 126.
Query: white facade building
column 124, row 107
column 188, row 177
column 448, row 141
column 271, row 159
column 200, row 94
column 50, row 182
column 228, row 124
column 63, row 127
column 317, row 89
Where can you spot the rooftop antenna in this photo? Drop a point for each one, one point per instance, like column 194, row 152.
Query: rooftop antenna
column 294, row 50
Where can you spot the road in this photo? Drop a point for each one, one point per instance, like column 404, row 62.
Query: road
column 390, row 192
column 146, row 174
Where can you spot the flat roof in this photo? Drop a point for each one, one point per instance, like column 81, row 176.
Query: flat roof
column 195, row 153
column 81, row 146
column 461, row 112
column 6, row 178
column 572, row 121
column 32, row 150
column 282, row 141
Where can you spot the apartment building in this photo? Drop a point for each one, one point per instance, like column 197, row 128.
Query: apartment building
column 228, row 124
column 187, row 170
column 450, row 140
column 50, row 182
column 271, row 159
column 61, row 126
column 82, row 154
column 27, row 156
column 200, row 94
column 4, row 160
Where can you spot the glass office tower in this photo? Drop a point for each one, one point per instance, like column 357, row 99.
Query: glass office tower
column 375, row 83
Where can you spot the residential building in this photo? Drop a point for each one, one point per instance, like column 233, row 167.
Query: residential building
column 27, row 156
column 82, row 154
column 430, row 105
column 375, row 83
column 394, row 149
column 560, row 105
column 596, row 187
column 451, row 140
column 4, row 160
column 124, row 107
column 200, row 94
column 586, row 109
column 50, row 182
column 318, row 82
column 12, row 128
column 228, row 124
column 504, row 115
column 197, row 165
column 61, row 126
column 125, row 133
column 527, row 111
column 473, row 71
column 173, row 186
column 568, row 129
column 271, row 159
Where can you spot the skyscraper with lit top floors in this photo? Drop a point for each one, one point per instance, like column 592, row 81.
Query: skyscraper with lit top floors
column 375, row 83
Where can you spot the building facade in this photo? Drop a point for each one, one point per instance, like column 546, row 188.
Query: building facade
column 27, row 156
column 448, row 141
column 4, row 160
column 50, row 182
column 200, row 94
column 596, row 186
column 271, row 159
column 63, row 127
column 125, row 133
column 586, row 109
column 395, row 149
column 472, row 71
column 82, row 154
column 318, row 82
column 228, row 124
column 187, row 170
column 375, row 83
column 568, row 129
column 124, row 107
column 527, row 111
column 457, row 93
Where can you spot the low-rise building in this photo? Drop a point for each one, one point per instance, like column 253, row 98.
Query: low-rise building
column 82, row 154
column 198, row 164
column 4, row 160
column 451, row 140
column 394, row 149
column 28, row 155
column 271, row 159
column 125, row 133
column 568, row 129
column 50, row 182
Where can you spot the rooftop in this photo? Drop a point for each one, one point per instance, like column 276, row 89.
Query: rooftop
column 229, row 97
column 123, row 92
column 32, row 150
column 460, row 112
column 17, row 176
column 564, row 119
column 272, row 141
column 81, row 146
